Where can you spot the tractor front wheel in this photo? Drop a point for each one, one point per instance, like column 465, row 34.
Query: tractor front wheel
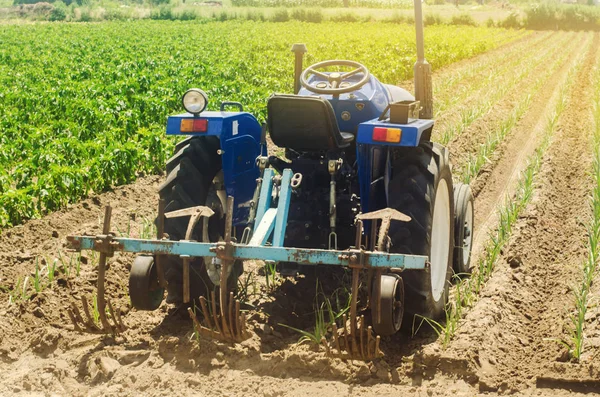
column 421, row 187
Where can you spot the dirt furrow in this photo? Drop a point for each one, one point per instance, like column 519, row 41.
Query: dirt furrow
column 454, row 122
column 548, row 70
column 507, row 336
column 498, row 178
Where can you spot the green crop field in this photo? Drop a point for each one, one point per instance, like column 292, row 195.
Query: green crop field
column 83, row 106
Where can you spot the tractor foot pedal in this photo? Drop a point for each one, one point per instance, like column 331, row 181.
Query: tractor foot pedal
column 225, row 324
column 354, row 342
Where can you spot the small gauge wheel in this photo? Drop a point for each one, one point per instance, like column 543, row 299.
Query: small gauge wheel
column 387, row 308
column 144, row 290
column 463, row 229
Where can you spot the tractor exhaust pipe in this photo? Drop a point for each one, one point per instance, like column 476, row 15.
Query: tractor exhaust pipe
column 423, row 86
column 299, row 49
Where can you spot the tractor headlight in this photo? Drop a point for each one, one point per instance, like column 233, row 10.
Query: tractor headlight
column 194, row 101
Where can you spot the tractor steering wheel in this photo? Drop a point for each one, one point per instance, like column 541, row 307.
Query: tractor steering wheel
column 335, row 79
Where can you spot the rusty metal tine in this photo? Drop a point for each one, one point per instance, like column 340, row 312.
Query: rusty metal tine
column 358, row 239
column 353, row 308
column 101, row 273
column 205, row 312
column 223, row 295
column 345, row 320
column 243, row 326
column 116, row 316
column 100, row 300
column 74, row 320
column 76, row 313
column 197, row 324
column 336, row 338
column 230, row 304
column 238, row 329
column 369, row 340
column 76, row 316
column 115, row 327
column 362, row 339
column 118, row 319
column 373, row 234
column 324, row 342
column 90, row 322
column 186, row 279
column 160, row 234
column 213, row 304
column 377, row 340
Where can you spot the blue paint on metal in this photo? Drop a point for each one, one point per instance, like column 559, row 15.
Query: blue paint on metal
column 372, row 159
column 364, row 104
column 239, row 134
column 264, row 200
column 306, row 256
column 283, row 208
column 265, row 228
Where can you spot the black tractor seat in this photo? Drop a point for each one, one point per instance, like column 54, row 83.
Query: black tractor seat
column 305, row 123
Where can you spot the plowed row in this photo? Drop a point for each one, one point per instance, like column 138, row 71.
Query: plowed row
column 506, row 341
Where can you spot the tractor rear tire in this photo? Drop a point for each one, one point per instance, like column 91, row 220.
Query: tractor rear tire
column 421, row 187
column 191, row 176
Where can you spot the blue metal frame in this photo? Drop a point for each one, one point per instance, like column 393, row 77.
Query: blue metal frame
column 239, row 134
column 305, row 256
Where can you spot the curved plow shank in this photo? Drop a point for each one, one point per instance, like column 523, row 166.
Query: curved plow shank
column 226, row 324
column 89, row 324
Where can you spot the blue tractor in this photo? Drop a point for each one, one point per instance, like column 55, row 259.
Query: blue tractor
column 360, row 185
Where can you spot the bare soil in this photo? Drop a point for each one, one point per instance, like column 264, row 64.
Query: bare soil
column 503, row 345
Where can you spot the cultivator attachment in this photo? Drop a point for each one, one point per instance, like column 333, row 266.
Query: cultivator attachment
column 90, row 323
column 355, row 340
column 222, row 317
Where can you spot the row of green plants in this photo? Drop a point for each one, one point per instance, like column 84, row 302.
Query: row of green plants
column 454, row 89
column 467, row 290
column 497, row 91
column 498, row 134
column 68, row 265
column 45, row 273
column 590, row 266
column 85, row 108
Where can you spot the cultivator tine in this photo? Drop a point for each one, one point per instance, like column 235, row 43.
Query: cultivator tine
column 226, row 322
column 89, row 325
column 186, row 279
column 357, row 340
column 228, row 326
